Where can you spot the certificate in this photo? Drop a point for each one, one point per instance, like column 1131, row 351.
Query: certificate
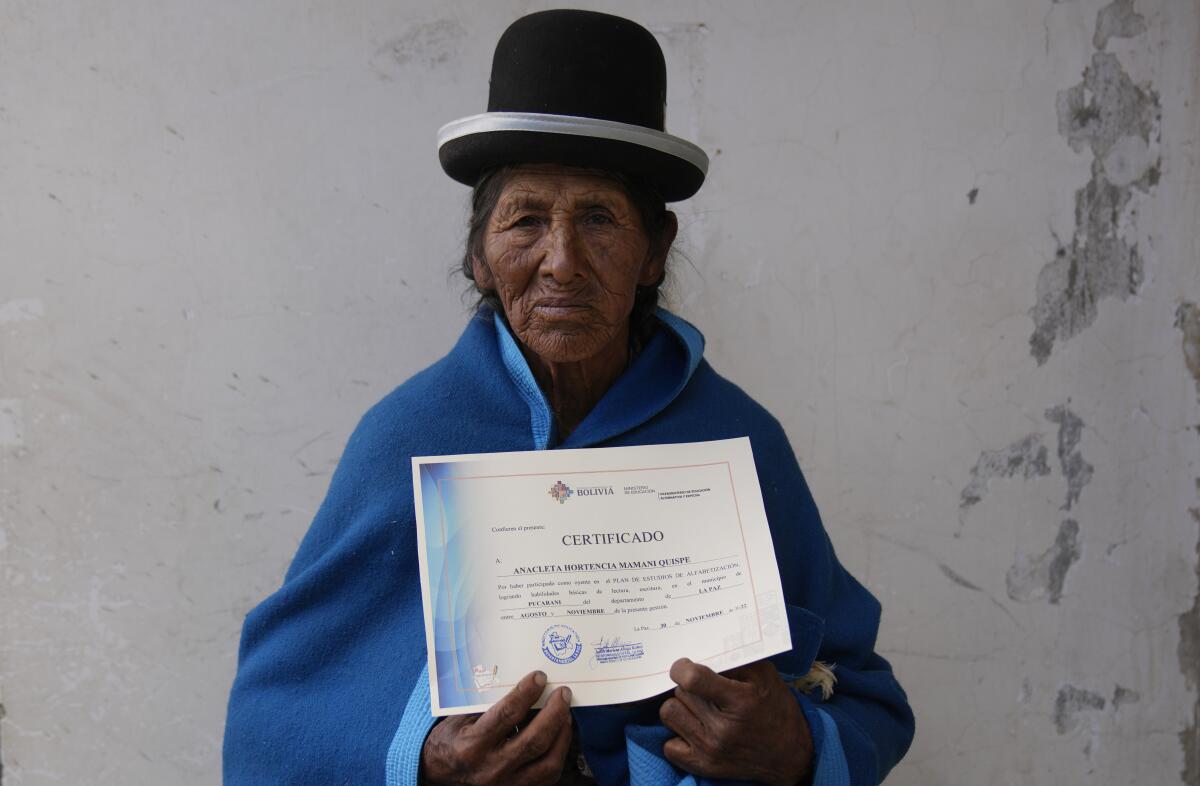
column 600, row 567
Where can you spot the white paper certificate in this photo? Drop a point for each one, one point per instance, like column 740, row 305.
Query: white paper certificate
column 600, row 567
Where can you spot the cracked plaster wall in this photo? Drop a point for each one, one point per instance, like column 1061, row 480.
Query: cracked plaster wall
column 950, row 244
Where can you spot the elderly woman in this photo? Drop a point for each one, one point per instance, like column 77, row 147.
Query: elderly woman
column 568, row 243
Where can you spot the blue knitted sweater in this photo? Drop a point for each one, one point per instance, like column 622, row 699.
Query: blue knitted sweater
column 331, row 686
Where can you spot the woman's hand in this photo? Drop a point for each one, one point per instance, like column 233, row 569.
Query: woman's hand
column 481, row 750
column 744, row 724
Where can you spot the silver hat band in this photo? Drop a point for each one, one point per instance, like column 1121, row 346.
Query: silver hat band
column 575, row 126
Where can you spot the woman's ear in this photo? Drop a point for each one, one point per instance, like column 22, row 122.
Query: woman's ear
column 656, row 262
column 482, row 273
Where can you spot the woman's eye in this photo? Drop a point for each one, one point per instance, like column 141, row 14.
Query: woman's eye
column 526, row 222
column 599, row 218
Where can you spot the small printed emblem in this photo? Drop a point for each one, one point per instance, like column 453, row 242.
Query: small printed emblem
column 561, row 644
column 560, row 491
column 485, row 676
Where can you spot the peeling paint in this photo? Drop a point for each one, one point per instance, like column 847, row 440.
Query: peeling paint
column 1119, row 121
column 1098, row 264
column 1117, row 20
column 1189, row 664
column 1131, row 161
column 1105, row 106
column 427, row 45
column 1026, row 457
column 1123, row 696
column 1187, row 319
column 1043, row 576
column 1075, row 469
column 1070, row 702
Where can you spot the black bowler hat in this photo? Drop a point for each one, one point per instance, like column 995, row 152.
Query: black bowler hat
column 577, row 88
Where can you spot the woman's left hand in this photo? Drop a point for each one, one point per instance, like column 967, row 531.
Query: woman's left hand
column 743, row 724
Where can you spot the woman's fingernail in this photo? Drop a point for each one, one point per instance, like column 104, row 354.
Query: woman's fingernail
column 566, row 694
column 539, row 679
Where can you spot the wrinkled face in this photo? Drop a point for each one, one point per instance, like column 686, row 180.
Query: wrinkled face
column 565, row 251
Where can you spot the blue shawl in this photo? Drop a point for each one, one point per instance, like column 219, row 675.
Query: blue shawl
column 331, row 685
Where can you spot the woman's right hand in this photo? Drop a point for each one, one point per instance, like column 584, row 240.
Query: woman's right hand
column 482, row 750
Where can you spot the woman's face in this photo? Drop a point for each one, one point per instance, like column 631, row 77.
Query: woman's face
column 565, row 250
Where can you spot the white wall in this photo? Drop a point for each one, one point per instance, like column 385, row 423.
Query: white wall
column 224, row 234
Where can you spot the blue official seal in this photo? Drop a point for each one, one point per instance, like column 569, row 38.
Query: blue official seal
column 561, row 644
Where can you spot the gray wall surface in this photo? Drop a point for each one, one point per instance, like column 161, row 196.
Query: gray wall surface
column 949, row 243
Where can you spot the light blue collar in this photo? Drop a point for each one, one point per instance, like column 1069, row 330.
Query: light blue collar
column 646, row 371
column 541, row 420
column 686, row 332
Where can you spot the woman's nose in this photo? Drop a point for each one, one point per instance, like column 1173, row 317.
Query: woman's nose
column 565, row 255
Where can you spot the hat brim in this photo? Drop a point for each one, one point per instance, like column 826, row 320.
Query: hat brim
column 469, row 147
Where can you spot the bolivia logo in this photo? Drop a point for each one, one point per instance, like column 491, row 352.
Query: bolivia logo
column 560, row 491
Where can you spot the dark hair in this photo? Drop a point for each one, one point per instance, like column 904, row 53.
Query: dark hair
column 651, row 208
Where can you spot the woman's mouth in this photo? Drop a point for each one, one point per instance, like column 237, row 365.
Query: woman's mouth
column 559, row 308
